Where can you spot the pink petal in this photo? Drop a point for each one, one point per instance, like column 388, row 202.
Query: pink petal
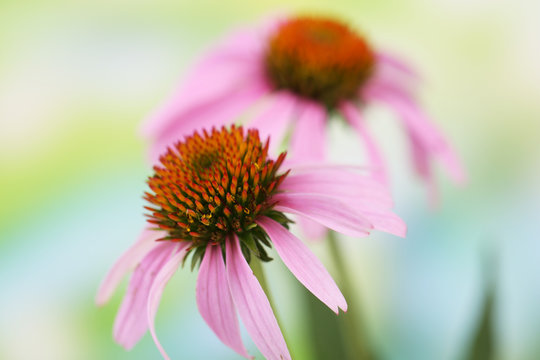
column 126, row 262
column 338, row 182
column 308, row 142
column 328, row 211
column 196, row 93
column 244, row 45
column 424, row 130
column 228, row 65
column 312, row 230
column 326, row 166
column 381, row 84
column 304, row 265
column 391, row 74
column 215, row 302
column 220, row 112
column 130, row 323
column 387, row 60
column 352, row 115
column 369, row 198
column 154, row 296
column 382, row 220
column 275, row 120
column 363, row 195
column 252, row 305
column 423, row 167
column 249, row 42
column 232, row 64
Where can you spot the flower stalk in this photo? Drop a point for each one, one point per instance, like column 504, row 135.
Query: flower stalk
column 258, row 271
column 351, row 323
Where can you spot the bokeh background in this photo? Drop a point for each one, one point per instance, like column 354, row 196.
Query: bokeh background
column 77, row 78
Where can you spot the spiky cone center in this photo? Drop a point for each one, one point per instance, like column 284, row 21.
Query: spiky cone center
column 212, row 185
column 318, row 58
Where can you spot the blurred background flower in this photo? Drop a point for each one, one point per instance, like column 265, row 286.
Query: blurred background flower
column 76, row 78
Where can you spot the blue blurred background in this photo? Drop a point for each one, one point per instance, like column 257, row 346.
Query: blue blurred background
column 76, row 79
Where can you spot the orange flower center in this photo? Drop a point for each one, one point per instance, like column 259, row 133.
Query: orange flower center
column 318, row 58
column 212, row 185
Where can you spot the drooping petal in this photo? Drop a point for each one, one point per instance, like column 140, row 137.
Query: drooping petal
column 391, row 74
column 312, row 230
column 339, row 182
column 275, row 119
column 422, row 164
column 245, row 43
column 130, row 323
column 382, row 220
column 214, row 300
column 252, row 305
column 384, row 84
column 243, row 46
column 363, row 195
column 222, row 111
column 308, row 142
column 324, row 173
column 388, row 60
column 231, row 63
column 352, row 115
column 196, row 93
column 326, row 210
column 350, row 184
column 325, row 166
column 304, row 265
column 154, row 296
column 425, row 131
column 377, row 199
column 126, row 262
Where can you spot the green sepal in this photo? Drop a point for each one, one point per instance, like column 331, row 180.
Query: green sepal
column 279, row 217
column 197, row 257
column 260, row 236
column 248, row 240
column 245, row 251
column 262, row 253
column 252, row 242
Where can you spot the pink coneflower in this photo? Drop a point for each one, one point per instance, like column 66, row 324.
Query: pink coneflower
column 219, row 197
column 293, row 75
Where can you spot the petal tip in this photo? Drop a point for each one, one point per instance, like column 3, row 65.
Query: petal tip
column 124, row 343
column 402, row 233
column 342, row 304
column 128, row 347
column 102, row 297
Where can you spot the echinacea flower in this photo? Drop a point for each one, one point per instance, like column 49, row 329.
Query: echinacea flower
column 293, row 75
column 218, row 197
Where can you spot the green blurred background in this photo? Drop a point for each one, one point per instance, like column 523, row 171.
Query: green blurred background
column 77, row 78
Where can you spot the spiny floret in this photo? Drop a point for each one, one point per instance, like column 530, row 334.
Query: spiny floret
column 213, row 184
column 318, row 58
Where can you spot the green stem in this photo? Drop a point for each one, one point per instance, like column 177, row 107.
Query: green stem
column 323, row 327
column 259, row 274
column 483, row 345
column 354, row 331
column 256, row 266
